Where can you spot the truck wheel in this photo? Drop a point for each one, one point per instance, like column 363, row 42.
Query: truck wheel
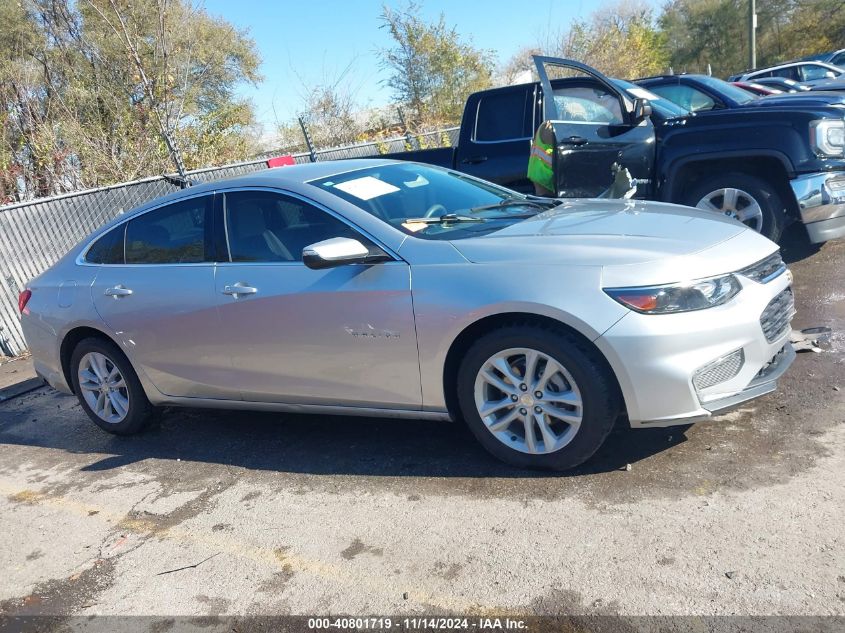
column 108, row 388
column 536, row 397
column 750, row 200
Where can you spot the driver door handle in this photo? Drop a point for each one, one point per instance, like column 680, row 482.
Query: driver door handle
column 575, row 140
column 118, row 291
column 239, row 288
column 473, row 160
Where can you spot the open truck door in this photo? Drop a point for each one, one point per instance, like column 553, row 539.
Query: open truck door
column 595, row 125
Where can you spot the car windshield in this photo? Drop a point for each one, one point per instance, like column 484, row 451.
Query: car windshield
column 664, row 107
column 400, row 193
column 726, row 89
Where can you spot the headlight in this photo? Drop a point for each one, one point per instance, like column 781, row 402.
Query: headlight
column 827, row 136
column 680, row 297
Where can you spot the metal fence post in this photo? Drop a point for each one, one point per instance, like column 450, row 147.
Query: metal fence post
column 412, row 142
column 308, row 140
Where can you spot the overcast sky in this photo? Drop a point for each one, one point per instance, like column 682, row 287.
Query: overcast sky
column 316, row 40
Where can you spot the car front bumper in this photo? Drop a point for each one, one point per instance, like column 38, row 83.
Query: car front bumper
column 821, row 203
column 659, row 359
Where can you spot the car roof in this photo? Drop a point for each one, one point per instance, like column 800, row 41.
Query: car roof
column 292, row 176
column 796, row 62
column 672, row 76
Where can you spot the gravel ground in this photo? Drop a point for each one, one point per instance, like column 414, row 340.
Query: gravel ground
column 220, row 513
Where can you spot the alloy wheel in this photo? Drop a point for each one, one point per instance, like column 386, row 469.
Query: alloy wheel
column 528, row 401
column 103, row 387
column 734, row 203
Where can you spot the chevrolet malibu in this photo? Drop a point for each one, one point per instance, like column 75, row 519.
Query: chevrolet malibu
column 383, row 288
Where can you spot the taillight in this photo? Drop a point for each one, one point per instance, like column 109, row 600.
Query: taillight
column 23, row 299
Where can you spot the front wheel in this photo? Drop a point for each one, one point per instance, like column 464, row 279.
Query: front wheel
column 536, row 397
column 108, row 388
column 752, row 201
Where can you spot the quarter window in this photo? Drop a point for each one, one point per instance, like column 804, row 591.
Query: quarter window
column 108, row 249
column 263, row 226
column 174, row 234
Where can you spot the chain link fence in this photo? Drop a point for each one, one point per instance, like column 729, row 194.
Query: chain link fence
column 36, row 234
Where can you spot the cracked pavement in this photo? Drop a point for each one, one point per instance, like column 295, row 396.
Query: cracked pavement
column 235, row 513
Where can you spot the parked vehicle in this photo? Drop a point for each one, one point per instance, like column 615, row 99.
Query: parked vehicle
column 719, row 162
column 700, row 93
column 373, row 287
column 808, row 72
column 835, row 58
column 782, row 83
column 758, row 90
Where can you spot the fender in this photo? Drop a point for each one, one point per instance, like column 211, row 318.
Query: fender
column 668, row 187
column 150, row 389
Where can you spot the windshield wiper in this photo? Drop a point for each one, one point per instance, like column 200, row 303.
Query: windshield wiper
column 516, row 202
column 447, row 218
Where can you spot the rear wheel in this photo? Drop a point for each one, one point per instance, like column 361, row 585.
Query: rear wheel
column 108, row 388
column 752, row 201
column 536, row 397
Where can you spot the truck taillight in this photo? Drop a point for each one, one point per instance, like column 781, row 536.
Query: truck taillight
column 23, row 299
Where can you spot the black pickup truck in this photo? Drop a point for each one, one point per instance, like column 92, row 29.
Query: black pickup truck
column 766, row 166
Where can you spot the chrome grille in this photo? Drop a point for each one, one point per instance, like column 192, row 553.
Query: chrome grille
column 777, row 315
column 765, row 270
column 719, row 370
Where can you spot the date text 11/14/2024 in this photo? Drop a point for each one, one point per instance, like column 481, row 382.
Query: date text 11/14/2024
column 417, row 623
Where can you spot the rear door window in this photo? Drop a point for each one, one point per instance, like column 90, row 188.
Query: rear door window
column 790, row 72
column 174, row 234
column 504, row 116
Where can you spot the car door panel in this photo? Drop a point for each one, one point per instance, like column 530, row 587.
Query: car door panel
column 168, row 326
column 341, row 336
column 161, row 307
column 499, row 140
column 587, row 149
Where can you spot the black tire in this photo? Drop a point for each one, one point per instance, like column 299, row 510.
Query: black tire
column 140, row 414
column 600, row 399
column 763, row 193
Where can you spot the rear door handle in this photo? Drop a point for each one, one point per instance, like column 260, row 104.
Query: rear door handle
column 575, row 140
column 239, row 288
column 473, row 160
column 118, row 291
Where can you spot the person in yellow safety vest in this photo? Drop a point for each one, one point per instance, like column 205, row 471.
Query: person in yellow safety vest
column 541, row 173
column 540, row 170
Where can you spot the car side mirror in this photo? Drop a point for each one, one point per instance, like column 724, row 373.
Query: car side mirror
column 830, row 74
column 642, row 109
column 337, row 251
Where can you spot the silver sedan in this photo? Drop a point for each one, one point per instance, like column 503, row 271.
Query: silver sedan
column 404, row 290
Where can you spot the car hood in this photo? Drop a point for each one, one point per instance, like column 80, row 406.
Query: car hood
column 798, row 100
column 649, row 240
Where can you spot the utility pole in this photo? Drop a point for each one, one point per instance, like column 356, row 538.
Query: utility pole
column 752, row 33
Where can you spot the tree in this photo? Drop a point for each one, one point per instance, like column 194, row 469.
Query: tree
column 701, row 32
column 715, row 32
column 620, row 40
column 91, row 87
column 433, row 68
column 330, row 109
